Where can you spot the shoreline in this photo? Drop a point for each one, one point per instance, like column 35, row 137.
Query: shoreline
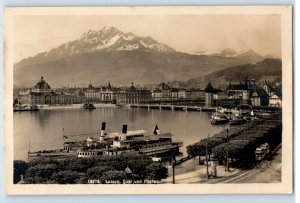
column 73, row 106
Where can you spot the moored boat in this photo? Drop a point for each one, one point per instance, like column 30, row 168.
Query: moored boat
column 88, row 106
column 58, row 154
column 112, row 144
column 218, row 118
column 208, row 109
column 237, row 120
column 25, row 108
column 137, row 141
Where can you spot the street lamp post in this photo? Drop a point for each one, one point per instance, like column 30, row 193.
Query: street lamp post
column 206, row 157
column 173, row 167
column 227, row 159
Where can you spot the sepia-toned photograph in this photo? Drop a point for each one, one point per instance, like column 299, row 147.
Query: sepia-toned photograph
column 148, row 100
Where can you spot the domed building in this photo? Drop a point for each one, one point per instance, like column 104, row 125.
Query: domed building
column 42, row 94
column 42, row 86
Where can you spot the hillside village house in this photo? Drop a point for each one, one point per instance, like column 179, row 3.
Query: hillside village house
column 249, row 92
column 258, row 96
column 238, row 91
column 275, row 98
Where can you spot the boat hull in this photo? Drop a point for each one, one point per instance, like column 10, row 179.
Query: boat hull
column 219, row 121
column 161, row 150
column 15, row 110
column 52, row 154
column 237, row 121
column 89, row 106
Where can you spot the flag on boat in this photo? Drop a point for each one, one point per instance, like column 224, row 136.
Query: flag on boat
column 156, row 130
column 64, row 137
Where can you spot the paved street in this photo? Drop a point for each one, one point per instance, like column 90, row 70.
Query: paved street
column 269, row 171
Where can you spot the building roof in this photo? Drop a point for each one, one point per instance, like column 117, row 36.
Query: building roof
column 163, row 86
column 132, row 88
column 156, row 90
column 277, row 91
column 127, row 170
column 260, row 91
column 174, row 90
column 90, row 86
column 209, row 88
column 236, row 87
column 42, row 84
column 269, row 86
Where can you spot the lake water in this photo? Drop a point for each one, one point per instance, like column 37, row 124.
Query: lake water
column 43, row 129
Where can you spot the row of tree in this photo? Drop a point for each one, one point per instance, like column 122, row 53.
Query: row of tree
column 239, row 144
column 199, row 148
column 80, row 170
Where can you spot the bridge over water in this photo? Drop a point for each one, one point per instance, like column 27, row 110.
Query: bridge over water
column 173, row 107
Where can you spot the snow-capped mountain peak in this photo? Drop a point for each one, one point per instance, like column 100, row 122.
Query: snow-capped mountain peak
column 113, row 39
column 105, row 39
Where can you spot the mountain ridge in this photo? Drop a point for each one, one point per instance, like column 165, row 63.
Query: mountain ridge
column 110, row 54
column 105, row 39
column 268, row 67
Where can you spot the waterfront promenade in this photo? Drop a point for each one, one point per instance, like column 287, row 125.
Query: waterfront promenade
column 191, row 172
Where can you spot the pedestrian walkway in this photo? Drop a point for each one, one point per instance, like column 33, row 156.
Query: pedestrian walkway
column 192, row 172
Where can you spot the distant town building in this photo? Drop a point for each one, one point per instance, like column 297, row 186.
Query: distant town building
column 239, row 91
column 133, row 95
column 258, row 96
column 220, row 96
column 249, row 93
column 42, row 94
column 197, row 94
column 174, row 93
column 209, row 92
column 183, row 94
column 274, row 93
column 191, row 94
column 163, row 92
column 92, row 94
column 275, row 100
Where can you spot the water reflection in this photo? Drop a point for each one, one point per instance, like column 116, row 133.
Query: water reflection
column 44, row 128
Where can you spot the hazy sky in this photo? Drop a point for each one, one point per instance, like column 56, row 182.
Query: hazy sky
column 262, row 33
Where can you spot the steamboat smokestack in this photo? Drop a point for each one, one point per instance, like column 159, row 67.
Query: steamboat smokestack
column 102, row 132
column 103, row 128
column 124, row 129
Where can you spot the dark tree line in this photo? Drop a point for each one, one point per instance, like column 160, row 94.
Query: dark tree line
column 80, row 170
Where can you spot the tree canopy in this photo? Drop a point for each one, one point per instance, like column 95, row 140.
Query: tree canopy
column 80, row 170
